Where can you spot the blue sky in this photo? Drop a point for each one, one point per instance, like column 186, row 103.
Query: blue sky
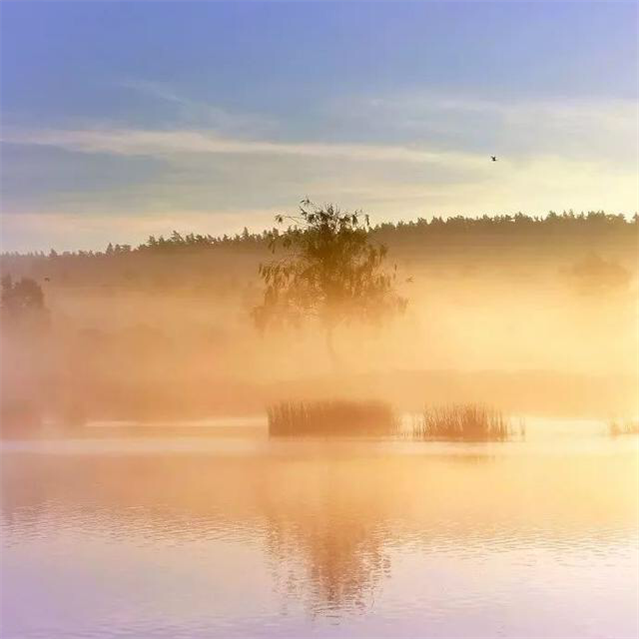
column 125, row 119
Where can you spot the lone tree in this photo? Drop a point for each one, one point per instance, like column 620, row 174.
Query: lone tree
column 330, row 271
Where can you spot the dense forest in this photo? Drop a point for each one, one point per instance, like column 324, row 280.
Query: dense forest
column 462, row 243
column 520, row 229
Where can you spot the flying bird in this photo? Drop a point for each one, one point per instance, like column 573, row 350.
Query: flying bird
column 493, row 158
column 47, row 279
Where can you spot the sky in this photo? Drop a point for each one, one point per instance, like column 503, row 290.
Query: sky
column 126, row 119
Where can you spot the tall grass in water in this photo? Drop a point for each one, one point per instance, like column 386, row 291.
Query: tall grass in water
column 616, row 428
column 331, row 418
column 465, row 422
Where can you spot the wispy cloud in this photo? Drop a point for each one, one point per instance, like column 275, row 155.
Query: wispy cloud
column 416, row 155
column 200, row 114
column 423, row 102
column 517, row 127
column 163, row 144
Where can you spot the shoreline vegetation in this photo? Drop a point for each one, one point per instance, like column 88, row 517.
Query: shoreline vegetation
column 452, row 422
column 464, row 423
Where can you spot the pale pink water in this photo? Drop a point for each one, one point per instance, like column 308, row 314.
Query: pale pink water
column 245, row 537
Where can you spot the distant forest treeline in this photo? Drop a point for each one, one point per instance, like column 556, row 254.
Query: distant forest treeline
column 517, row 228
column 502, row 246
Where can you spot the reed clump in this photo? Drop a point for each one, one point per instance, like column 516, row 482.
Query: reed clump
column 628, row 427
column 465, row 422
column 337, row 417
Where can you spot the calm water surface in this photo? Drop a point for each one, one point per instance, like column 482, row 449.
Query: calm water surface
column 239, row 536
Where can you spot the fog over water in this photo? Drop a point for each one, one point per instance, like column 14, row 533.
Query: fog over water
column 536, row 320
column 142, row 494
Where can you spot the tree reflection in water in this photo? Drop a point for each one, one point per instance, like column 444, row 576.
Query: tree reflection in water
column 325, row 522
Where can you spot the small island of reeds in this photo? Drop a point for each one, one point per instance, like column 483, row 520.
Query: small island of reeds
column 455, row 422
column 465, row 422
column 335, row 417
column 628, row 427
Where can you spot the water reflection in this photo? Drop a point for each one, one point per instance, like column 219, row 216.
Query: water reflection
column 326, row 546
column 323, row 534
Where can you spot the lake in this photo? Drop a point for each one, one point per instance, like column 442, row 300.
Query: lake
column 227, row 533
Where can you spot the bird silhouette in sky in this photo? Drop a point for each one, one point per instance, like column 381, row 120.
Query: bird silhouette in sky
column 493, row 158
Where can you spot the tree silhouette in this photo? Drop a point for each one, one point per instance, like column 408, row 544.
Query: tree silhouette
column 22, row 303
column 22, row 297
column 330, row 272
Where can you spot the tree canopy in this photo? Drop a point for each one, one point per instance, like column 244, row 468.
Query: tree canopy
column 22, row 303
column 329, row 271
